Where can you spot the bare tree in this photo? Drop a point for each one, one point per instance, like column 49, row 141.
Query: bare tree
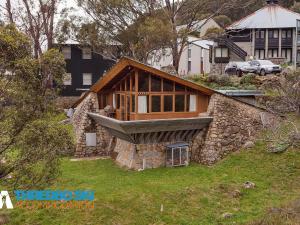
column 35, row 18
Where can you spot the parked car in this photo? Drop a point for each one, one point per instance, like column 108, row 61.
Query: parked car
column 264, row 67
column 238, row 68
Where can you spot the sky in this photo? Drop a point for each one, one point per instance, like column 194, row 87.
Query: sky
column 64, row 4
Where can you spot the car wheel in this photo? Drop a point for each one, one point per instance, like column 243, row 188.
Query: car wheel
column 239, row 73
column 262, row 72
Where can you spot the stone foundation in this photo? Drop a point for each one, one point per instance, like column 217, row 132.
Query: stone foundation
column 140, row 156
column 233, row 125
column 84, row 124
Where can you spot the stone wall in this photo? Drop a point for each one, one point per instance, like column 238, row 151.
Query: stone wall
column 84, row 124
column 140, row 156
column 234, row 124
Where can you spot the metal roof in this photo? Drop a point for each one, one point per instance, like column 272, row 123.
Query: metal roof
column 270, row 16
column 240, row 93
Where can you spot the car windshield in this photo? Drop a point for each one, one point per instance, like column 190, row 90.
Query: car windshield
column 266, row 62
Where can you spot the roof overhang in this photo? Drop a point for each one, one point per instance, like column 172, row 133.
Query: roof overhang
column 153, row 131
column 127, row 64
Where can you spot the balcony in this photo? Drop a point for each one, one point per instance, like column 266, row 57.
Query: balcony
column 273, row 42
column 287, row 42
column 153, row 131
column 222, row 59
column 260, row 43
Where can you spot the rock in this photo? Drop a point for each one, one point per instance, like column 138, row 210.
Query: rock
column 249, row 185
column 249, row 144
column 236, row 194
column 227, row 215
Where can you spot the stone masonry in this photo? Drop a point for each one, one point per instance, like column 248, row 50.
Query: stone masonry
column 233, row 125
column 84, row 124
column 140, row 156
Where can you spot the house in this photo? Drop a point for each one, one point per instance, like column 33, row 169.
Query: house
column 146, row 118
column 194, row 58
column 269, row 33
column 83, row 68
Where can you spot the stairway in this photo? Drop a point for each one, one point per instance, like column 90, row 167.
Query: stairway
column 233, row 47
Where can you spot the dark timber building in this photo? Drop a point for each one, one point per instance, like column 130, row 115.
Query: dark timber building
column 84, row 67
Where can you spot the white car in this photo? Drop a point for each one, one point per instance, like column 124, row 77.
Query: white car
column 264, row 67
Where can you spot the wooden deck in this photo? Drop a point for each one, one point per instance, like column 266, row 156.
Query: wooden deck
column 153, row 131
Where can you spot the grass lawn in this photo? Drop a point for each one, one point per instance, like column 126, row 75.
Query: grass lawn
column 189, row 195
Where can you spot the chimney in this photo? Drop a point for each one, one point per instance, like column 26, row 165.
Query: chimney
column 269, row 2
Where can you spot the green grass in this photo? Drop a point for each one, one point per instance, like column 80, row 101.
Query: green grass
column 190, row 195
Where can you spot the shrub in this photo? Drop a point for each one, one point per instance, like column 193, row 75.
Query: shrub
column 248, row 79
column 222, row 80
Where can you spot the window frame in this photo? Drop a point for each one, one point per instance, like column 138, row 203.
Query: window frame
column 83, row 79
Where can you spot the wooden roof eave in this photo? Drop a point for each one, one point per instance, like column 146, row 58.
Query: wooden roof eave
column 124, row 62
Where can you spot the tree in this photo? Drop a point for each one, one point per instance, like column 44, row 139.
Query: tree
column 30, row 141
column 131, row 23
column 36, row 19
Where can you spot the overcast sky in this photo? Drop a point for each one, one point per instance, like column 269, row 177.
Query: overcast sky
column 64, row 4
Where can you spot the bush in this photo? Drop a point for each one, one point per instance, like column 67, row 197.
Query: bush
column 248, row 79
column 222, row 80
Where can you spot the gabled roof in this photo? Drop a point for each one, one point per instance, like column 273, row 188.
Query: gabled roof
column 270, row 16
column 124, row 63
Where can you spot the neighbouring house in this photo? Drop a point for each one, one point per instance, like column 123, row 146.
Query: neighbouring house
column 83, row 68
column 146, row 118
column 269, row 33
column 194, row 58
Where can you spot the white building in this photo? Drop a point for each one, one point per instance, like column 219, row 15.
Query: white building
column 194, row 58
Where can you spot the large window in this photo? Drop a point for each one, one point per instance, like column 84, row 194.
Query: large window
column 192, row 103
column 144, row 82
column 179, row 103
column 143, row 104
column 168, row 85
column 67, row 80
column 155, row 84
column 221, row 52
column 168, row 103
column 66, row 51
column 155, row 103
column 132, row 103
column 118, row 101
column 87, row 79
column 86, row 53
column 133, row 82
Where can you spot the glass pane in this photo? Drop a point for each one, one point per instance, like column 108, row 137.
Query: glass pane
column 155, row 104
column 187, row 108
column 168, row 103
column 179, row 103
column 132, row 103
column 168, row 85
column 179, row 87
column 118, row 101
column 143, row 82
column 143, row 102
column 128, row 84
column 155, row 83
column 133, row 82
